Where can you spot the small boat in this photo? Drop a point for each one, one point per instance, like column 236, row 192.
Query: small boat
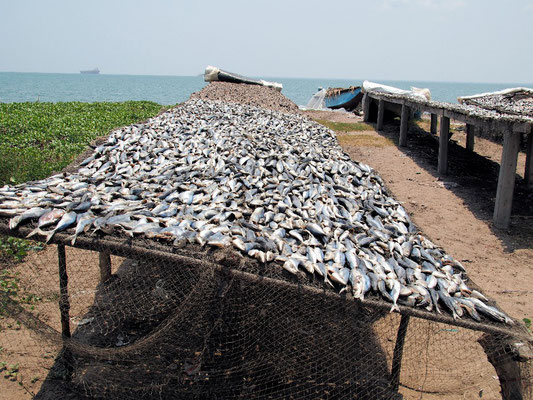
column 216, row 74
column 348, row 98
column 94, row 71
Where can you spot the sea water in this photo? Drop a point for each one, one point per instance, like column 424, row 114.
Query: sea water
column 168, row 90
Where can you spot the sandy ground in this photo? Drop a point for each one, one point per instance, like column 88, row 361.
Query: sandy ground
column 32, row 351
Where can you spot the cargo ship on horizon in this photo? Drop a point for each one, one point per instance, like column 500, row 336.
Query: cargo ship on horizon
column 94, row 71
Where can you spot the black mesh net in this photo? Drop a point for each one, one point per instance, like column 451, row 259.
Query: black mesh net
column 150, row 324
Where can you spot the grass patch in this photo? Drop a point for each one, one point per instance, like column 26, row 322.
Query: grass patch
column 37, row 139
column 346, row 126
column 362, row 140
column 12, row 251
column 425, row 124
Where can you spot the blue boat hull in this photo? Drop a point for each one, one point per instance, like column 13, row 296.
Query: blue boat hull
column 344, row 98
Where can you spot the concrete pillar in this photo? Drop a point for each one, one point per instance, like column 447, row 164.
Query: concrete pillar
column 381, row 113
column 403, row 125
column 444, row 140
column 433, row 125
column 470, row 134
column 506, row 180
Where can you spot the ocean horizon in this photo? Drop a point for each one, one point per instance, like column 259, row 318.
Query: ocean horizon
column 169, row 89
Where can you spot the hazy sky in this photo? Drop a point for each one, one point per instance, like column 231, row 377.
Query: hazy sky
column 438, row 40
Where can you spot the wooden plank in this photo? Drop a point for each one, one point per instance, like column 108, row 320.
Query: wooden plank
column 398, row 353
column 381, row 113
column 522, row 127
column 506, row 180
column 433, row 125
column 444, row 140
column 395, row 108
column 366, row 107
column 528, row 173
column 434, row 110
column 403, row 125
column 470, row 134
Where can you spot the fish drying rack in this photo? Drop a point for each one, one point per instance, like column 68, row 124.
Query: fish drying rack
column 188, row 323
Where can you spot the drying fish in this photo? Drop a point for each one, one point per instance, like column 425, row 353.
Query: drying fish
column 276, row 187
column 84, row 221
column 32, row 213
column 66, row 222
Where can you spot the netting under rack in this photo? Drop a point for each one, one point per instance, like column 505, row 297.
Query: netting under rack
column 160, row 329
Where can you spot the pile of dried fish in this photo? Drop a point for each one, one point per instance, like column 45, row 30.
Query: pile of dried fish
column 278, row 187
column 512, row 101
column 252, row 95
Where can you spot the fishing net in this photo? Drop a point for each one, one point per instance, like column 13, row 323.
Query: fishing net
column 317, row 102
column 133, row 320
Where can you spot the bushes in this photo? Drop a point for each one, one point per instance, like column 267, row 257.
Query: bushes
column 37, row 139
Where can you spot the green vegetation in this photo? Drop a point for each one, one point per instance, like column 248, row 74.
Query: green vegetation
column 527, row 322
column 10, row 371
column 362, row 140
column 9, row 287
column 37, row 139
column 346, row 126
column 15, row 249
column 10, row 291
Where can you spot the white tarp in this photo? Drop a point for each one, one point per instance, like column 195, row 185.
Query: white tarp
column 211, row 74
column 423, row 94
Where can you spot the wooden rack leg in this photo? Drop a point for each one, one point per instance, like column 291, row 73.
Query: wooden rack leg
column 470, row 134
column 398, row 353
column 444, row 140
column 506, row 180
column 403, row 125
column 105, row 265
column 64, row 308
column 508, row 358
column 64, row 304
column 433, row 125
column 366, row 108
column 381, row 113
column 528, row 173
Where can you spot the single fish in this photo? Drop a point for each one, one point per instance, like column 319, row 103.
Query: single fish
column 84, row 222
column 64, row 223
column 491, row 312
column 32, row 213
column 394, row 293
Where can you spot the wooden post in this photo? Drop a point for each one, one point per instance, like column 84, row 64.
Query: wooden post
column 444, row 139
column 528, row 173
column 64, row 304
column 381, row 113
column 398, row 353
column 433, row 125
column 508, row 357
column 403, row 125
column 506, row 179
column 105, row 266
column 470, row 134
column 366, row 107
